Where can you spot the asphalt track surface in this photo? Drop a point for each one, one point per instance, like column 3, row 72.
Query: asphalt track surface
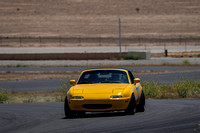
column 54, row 84
column 180, row 115
column 151, row 61
column 102, row 49
column 79, row 69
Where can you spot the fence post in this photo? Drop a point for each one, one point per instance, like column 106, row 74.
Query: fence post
column 60, row 41
column 40, row 40
column 20, row 41
column 120, row 39
column 79, row 40
column 99, row 40
column 166, row 53
column 139, row 41
column 185, row 45
column 164, row 46
column 1, row 41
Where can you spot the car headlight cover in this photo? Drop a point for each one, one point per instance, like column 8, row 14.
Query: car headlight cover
column 77, row 97
column 116, row 96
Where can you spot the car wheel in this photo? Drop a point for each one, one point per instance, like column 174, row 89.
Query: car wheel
column 131, row 107
column 80, row 114
column 140, row 106
column 68, row 112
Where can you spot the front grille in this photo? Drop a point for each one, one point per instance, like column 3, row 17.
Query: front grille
column 97, row 106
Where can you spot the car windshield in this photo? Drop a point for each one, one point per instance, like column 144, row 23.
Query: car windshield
column 103, row 76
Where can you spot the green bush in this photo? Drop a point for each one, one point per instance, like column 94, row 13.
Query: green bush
column 187, row 88
column 183, row 89
column 18, row 65
column 60, row 99
column 150, row 88
column 28, row 100
column 182, row 92
column 3, row 97
column 131, row 56
column 186, row 62
column 64, row 86
column 137, row 9
column 190, row 56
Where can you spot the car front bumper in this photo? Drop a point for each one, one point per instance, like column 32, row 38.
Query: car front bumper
column 98, row 105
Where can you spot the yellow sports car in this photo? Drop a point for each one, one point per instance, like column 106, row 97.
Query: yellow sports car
column 104, row 89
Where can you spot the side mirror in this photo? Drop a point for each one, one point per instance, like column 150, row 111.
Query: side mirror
column 136, row 80
column 72, row 82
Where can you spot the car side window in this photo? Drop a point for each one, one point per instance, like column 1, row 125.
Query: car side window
column 131, row 77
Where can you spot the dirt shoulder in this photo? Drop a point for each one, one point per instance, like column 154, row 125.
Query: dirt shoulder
column 35, row 76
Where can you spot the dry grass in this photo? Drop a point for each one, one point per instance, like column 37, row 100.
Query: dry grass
column 180, row 89
column 29, row 97
column 98, row 18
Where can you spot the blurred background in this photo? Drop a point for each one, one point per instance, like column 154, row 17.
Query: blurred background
column 44, row 42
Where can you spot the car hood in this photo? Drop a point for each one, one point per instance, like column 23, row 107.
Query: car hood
column 99, row 88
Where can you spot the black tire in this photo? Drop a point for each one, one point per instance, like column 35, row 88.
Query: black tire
column 131, row 107
column 68, row 112
column 80, row 114
column 141, row 105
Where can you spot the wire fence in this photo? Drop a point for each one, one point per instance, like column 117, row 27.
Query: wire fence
column 95, row 41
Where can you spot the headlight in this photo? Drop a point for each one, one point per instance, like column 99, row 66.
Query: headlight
column 117, row 96
column 77, row 97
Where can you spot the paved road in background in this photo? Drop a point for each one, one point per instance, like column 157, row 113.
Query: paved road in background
column 79, row 69
column 102, row 49
column 160, row 116
column 53, row 84
column 152, row 61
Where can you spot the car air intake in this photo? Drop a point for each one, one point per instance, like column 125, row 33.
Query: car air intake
column 97, row 106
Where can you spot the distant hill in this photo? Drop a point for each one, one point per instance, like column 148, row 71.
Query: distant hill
column 99, row 18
